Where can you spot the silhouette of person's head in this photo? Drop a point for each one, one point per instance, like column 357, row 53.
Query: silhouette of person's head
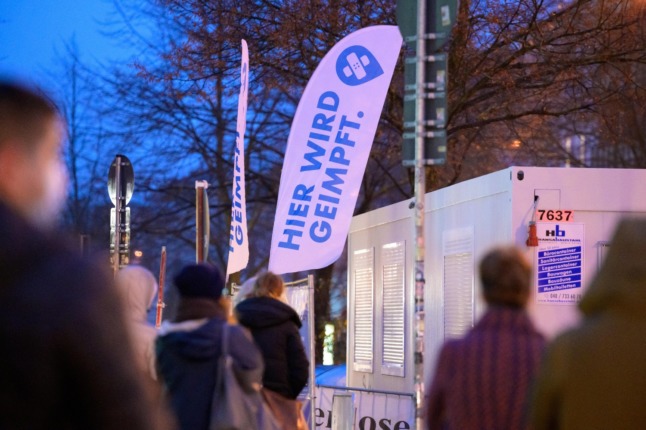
column 505, row 276
column 200, row 289
column 269, row 284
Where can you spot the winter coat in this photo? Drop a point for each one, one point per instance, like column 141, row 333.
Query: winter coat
column 187, row 360
column 66, row 361
column 274, row 326
column 594, row 376
column 482, row 381
column 137, row 288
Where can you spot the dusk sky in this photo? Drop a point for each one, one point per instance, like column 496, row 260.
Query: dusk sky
column 33, row 31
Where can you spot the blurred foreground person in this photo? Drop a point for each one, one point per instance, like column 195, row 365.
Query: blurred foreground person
column 594, row 376
column 137, row 287
column 66, row 361
column 188, row 348
column 274, row 326
column 482, row 380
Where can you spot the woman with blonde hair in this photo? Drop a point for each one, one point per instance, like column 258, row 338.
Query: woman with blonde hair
column 274, row 326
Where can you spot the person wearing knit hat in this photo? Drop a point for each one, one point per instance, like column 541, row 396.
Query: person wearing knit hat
column 200, row 292
column 188, row 348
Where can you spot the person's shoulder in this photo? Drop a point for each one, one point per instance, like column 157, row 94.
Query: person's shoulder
column 87, row 271
column 79, row 285
column 239, row 330
column 448, row 352
column 453, row 347
column 566, row 339
column 455, row 344
column 287, row 312
column 241, row 338
column 569, row 346
column 56, row 266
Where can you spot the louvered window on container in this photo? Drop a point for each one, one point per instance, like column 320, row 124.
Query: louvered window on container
column 363, row 273
column 458, row 283
column 393, row 294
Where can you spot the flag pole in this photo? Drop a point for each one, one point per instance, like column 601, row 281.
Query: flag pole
column 160, row 293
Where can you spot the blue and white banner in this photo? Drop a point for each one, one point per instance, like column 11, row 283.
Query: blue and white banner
column 328, row 148
column 238, row 242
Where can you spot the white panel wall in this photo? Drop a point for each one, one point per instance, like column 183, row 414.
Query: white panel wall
column 496, row 210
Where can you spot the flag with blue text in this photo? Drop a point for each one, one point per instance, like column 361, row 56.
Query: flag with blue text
column 328, row 148
column 238, row 241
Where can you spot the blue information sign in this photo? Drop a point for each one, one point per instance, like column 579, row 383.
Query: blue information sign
column 559, row 265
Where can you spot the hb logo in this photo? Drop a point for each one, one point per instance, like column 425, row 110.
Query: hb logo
column 356, row 65
column 556, row 232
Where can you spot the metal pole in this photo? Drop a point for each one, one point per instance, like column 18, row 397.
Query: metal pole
column 420, row 190
column 201, row 236
column 160, row 293
column 312, row 343
column 117, row 212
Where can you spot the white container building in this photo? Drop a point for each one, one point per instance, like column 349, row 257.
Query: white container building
column 576, row 212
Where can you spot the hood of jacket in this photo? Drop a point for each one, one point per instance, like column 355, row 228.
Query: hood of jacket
column 195, row 340
column 137, row 287
column 620, row 285
column 262, row 312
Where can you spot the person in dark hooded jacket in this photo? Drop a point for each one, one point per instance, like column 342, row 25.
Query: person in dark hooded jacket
column 188, row 348
column 594, row 375
column 274, row 326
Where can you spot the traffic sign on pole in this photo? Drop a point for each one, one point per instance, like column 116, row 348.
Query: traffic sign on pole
column 425, row 96
column 121, row 184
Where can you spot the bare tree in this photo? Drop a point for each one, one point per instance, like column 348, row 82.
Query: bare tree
column 179, row 109
column 523, row 76
column 87, row 151
column 526, row 74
